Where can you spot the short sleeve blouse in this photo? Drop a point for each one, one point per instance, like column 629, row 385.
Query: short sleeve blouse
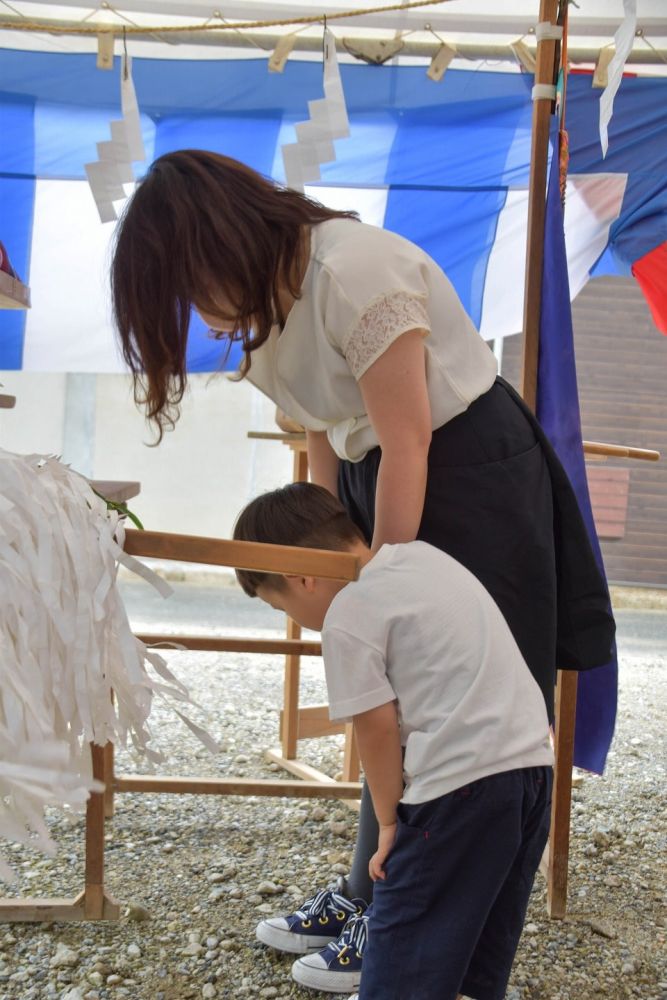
column 363, row 288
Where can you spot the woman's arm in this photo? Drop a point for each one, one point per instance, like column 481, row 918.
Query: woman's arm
column 395, row 395
column 322, row 461
column 379, row 742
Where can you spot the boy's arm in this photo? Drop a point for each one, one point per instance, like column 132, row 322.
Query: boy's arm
column 379, row 742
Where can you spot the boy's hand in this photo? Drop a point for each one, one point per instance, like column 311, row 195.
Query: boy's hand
column 386, row 838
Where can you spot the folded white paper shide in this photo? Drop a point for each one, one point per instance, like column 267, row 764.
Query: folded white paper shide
column 623, row 42
column 328, row 121
column 113, row 168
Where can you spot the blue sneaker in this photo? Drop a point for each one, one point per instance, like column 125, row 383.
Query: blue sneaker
column 337, row 968
column 319, row 921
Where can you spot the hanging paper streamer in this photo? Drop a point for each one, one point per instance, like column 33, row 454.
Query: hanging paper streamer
column 113, row 168
column 328, row 121
column 623, row 42
column 65, row 644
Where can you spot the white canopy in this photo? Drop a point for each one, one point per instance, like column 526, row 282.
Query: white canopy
column 481, row 34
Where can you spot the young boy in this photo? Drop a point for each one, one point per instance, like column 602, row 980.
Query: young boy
column 453, row 737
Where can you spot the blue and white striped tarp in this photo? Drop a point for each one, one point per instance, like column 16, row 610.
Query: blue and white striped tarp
column 445, row 164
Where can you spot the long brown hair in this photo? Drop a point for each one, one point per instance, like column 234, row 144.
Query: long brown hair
column 201, row 224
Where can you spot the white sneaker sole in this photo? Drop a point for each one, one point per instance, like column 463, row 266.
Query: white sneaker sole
column 323, row 979
column 295, row 944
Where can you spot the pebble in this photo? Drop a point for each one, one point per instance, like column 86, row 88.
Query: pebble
column 192, row 949
column 64, row 957
column 603, row 929
column 269, row 889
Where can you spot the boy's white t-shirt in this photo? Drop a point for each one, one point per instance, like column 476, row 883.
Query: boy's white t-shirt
column 363, row 288
column 417, row 627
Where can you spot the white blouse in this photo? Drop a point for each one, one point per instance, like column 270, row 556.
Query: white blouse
column 362, row 289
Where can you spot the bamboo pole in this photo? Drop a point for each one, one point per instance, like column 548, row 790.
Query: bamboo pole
column 620, row 451
column 545, row 72
column 539, row 154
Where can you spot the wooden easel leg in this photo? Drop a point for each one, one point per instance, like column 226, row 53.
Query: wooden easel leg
column 559, row 837
column 351, row 766
column 290, row 727
column 108, row 780
column 108, row 777
column 96, row 904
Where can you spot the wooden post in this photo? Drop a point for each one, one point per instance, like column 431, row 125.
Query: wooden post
column 539, row 155
column 96, row 904
column 290, row 728
column 95, row 841
column 559, row 836
column 108, row 777
column 351, row 763
column 566, row 688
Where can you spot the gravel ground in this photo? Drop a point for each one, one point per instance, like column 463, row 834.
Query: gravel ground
column 196, row 873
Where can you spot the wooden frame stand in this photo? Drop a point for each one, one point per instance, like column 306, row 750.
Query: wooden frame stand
column 94, row 903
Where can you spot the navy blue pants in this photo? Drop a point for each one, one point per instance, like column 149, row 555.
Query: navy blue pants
column 448, row 917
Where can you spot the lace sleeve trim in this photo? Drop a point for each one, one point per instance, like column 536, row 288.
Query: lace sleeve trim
column 385, row 319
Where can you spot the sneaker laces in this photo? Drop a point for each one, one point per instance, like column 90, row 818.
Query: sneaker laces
column 329, row 899
column 354, row 936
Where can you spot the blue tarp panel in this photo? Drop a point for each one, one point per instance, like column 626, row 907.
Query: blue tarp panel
column 447, row 152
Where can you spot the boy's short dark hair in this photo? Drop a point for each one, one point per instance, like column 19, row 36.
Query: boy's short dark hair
column 298, row 514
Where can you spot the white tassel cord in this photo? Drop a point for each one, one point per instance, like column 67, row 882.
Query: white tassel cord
column 65, row 644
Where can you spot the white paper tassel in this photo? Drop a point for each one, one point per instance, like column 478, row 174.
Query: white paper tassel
column 65, row 644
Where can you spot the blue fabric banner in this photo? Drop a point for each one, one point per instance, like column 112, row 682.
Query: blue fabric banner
column 558, row 412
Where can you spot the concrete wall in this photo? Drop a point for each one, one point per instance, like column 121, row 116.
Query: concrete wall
column 194, row 482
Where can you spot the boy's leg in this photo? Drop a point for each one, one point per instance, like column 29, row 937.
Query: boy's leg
column 451, row 860
column 491, row 963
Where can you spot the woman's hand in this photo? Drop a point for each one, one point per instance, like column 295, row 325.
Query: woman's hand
column 386, row 838
column 395, row 395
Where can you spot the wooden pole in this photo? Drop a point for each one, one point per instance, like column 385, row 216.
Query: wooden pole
column 559, row 834
column 566, row 688
column 539, row 155
column 290, row 727
column 97, row 904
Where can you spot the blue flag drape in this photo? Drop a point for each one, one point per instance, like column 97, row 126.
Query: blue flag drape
column 558, row 412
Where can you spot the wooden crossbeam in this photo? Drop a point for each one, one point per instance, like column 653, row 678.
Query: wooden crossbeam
column 258, row 556
column 237, row 786
column 232, row 644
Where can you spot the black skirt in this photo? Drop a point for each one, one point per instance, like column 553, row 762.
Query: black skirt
column 489, row 504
